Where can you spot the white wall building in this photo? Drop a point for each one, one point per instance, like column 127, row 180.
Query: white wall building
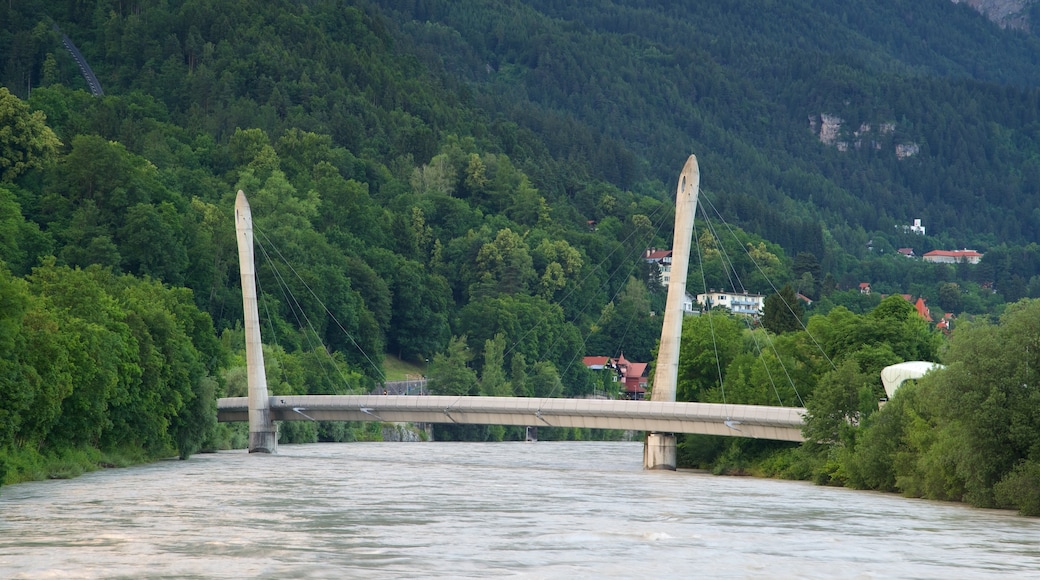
column 737, row 303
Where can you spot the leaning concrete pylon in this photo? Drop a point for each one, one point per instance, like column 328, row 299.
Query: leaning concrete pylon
column 262, row 435
column 659, row 449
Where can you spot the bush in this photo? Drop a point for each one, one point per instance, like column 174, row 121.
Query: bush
column 1020, row 489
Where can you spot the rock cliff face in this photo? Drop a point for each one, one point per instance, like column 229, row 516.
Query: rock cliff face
column 1006, row 13
column 828, row 128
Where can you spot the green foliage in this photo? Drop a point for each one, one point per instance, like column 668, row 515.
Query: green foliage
column 424, row 170
column 450, row 373
column 709, row 343
column 782, row 312
column 26, row 142
column 967, row 432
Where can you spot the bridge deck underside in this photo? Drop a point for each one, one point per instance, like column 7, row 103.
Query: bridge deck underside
column 756, row 421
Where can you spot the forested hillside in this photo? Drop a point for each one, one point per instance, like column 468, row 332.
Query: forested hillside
column 470, row 186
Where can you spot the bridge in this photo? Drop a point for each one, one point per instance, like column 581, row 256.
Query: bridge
column 661, row 417
column 757, row 421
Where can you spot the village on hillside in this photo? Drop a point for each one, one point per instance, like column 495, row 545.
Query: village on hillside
column 632, row 378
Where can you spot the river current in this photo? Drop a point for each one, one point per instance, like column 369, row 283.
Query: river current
column 478, row 510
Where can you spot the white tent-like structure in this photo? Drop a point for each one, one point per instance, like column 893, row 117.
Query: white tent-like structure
column 894, row 376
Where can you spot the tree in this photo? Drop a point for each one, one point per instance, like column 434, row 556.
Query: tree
column 492, row 376
column 21, row 241
column 505, row 265
column 26, row 142
column 627, row 325
column 782, row 312
column 950, row 297
column 709, row 344
column 450, row 373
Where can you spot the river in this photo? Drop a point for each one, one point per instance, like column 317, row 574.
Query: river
column 478, row 510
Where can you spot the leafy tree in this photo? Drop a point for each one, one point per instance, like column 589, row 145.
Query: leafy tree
column 450, row 373
column 627, row 326
column 492, row 376
column 26, row 142
column 505, row 265
column 710, row 342
column 21, row 241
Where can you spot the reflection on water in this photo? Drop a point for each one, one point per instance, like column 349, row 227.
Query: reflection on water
column 541, row 510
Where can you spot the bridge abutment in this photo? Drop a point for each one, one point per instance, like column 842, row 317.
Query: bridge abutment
column 659, row 451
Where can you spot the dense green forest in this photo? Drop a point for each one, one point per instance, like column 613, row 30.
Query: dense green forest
column 470, row 186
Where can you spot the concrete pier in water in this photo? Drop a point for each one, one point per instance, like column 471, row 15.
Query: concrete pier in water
column 659, row 449
column 263, row 437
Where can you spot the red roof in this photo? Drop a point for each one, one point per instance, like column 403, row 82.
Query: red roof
column 595, row 361
column 923, row 310
column 637, row 369
column 955, row 253
column 658, row 254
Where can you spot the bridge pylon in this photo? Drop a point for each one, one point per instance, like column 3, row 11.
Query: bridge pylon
column 263, row 437
column 659, row 449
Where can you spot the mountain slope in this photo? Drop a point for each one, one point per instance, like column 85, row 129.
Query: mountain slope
column 937, row 105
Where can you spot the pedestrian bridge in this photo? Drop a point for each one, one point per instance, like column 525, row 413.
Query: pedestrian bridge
column 756, row 421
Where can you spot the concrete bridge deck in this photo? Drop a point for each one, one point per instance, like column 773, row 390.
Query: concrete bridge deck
column 756, row 421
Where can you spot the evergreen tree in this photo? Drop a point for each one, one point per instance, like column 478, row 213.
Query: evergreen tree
column 782, row 312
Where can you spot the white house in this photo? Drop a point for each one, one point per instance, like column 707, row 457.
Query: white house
column 663, row 259
column 737, row 303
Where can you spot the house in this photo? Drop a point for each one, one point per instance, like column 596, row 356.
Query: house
column 945, row 325
column 922, row 309
column 633, row 376
column 737, row 303
column 908, row 252
column 808, row 301
column 663, row 259
column 687, row 305
column 598, row 363
column 952, row 256
column 916, row 228
column 864, row 287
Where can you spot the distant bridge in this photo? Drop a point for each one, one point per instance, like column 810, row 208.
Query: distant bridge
column 756, row 421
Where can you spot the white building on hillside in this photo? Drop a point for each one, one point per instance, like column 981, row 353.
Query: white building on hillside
column 663, row 259
column 737, row 303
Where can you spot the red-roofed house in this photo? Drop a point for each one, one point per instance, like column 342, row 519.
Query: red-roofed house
column 952, row 256
column 922, row 309
column 864, row 287
column 633, row 376
column 636, row 379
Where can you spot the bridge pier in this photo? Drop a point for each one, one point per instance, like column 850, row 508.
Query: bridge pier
column 659, row 451
column 263, row 436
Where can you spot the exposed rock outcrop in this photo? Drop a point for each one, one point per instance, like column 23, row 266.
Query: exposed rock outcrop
column 1006, row 13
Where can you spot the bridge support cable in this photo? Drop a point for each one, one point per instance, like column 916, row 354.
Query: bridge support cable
column 729, row 228
column 737, row 284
